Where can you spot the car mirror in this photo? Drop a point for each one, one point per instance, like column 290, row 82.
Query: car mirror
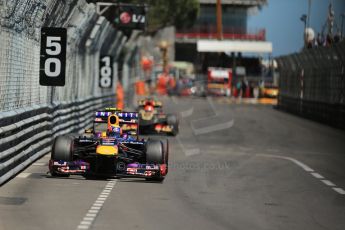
column 132, row 133
column 89, row 131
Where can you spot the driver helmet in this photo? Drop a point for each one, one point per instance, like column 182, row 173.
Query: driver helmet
column 114, row 131
column 148, row 107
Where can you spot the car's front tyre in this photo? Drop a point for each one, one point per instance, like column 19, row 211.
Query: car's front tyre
column 62, row 151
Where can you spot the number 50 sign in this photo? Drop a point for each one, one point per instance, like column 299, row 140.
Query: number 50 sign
column 53, row 56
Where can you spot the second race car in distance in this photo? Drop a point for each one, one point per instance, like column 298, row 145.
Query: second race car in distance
column 152, row 119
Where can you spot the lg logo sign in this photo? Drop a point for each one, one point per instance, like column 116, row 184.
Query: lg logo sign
column 126, row 18
column 138, row 18
column 53, row 56
column 105, row 72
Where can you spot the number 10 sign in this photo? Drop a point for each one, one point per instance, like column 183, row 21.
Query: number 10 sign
column 53, row 56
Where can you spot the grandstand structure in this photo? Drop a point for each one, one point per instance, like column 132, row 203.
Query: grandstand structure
column 199, row 44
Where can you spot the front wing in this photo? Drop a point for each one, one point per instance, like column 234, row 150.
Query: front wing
column 136, row 170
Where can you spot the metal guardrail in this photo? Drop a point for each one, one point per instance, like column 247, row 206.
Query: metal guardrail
column 32, row 115
column 28, row 135
column 20, row 25
column 312, row 84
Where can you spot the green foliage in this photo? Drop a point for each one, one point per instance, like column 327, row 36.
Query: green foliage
column 161, row 13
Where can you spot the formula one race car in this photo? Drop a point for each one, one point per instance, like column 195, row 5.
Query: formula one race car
column 152, row 119
column 111, row 149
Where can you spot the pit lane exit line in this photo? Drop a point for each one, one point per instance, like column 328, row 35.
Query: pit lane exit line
column 309, row 170
column 212, row 128
column 92, row 213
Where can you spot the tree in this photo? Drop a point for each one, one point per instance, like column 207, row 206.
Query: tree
column 162, row 13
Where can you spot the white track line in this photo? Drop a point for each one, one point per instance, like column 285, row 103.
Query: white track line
column 213, row 128
column 317, row 176
column 91, row 215
column 310, row 170
column 40, row 164
column 187, row 113
column 300, row 164
column 188, row 152
column 23, row 175
column 328, row 183
column 339, row 190
column 174, row 99
column 210, row 102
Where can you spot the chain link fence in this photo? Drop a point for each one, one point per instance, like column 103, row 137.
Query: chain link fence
column 31, row 116
column 312, row 84
column 20, row 25
column 19, row 55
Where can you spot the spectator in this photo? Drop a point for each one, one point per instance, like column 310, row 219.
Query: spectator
column 171, row 85
column 162, row 84
column 337, row 38
column 319, row 40
column 310, row 44
column 179, row 86
column 239, row 89
column 244, row 88
column 256, row 92
column 252, row 86
column 315, row 44
column 329, row 40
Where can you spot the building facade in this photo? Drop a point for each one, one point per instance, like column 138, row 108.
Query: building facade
column 235, row 29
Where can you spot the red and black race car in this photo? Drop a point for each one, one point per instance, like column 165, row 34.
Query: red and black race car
column 152, row 119
column 111, row 149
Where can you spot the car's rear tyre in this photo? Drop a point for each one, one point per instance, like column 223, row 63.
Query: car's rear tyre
column 174, row 132
column 173, row 121
column 166, row 156
column 62, row 151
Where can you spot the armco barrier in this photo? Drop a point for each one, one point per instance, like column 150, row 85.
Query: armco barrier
column 27, row 134
column 312, row 84
column 331, row 114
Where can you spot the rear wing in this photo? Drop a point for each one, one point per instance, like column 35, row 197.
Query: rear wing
column 128, row 117
column 128, row 121
column 154, row 102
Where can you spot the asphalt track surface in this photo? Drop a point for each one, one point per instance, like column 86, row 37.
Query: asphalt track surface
column 233, row 166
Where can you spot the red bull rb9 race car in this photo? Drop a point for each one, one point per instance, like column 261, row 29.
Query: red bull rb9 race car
column 111, row 149
column 153, row 120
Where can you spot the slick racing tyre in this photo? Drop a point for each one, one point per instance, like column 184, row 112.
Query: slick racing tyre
column 166, row 154
column 173, row 121
column 154, row 152
column 62, row 151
